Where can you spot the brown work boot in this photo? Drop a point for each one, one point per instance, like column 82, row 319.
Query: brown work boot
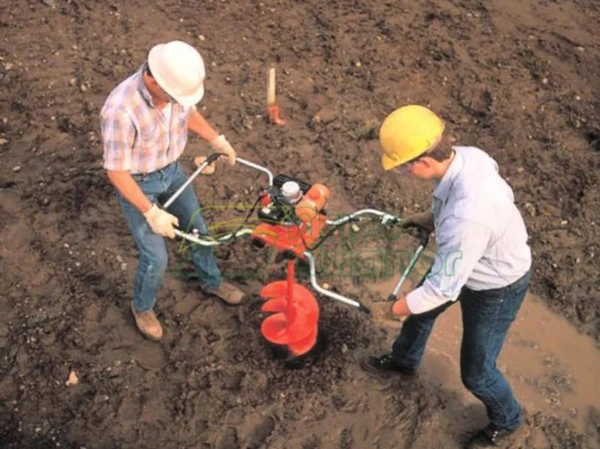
column 228, row 293
column 490, row 436
column 148, row 324
column 384, row 365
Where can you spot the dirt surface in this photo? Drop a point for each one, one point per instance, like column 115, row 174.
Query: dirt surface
column 519, row 79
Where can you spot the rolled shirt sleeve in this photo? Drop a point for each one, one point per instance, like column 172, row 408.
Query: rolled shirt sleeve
column 118, row 134
column 461, row 244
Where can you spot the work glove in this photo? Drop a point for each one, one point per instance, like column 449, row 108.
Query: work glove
column 422, row 220
column 209, row 169
column 221, row 145
column 161, row 222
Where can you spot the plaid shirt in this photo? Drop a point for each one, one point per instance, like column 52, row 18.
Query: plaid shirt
column 136, row 135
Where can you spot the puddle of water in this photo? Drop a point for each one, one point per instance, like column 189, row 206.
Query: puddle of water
column 550, row 366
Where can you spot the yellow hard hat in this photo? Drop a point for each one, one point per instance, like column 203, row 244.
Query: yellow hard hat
column 407, row 133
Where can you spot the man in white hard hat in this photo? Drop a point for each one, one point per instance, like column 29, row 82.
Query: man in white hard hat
column 482, row 261
column 145, row 122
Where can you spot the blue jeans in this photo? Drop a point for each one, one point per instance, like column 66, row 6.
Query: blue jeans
column 486, row 316
column 158, row 187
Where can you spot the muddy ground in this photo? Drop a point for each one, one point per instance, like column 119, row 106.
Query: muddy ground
column 519, row 79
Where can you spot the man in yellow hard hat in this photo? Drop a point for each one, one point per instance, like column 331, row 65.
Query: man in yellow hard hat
column 482, row 261
column 145, row 122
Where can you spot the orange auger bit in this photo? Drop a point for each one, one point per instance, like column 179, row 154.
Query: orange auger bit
column 294, row 323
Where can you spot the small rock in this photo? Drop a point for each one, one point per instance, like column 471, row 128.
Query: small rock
column 544, row 80
column 326, row 286
column 8, row 66
column 83, row 88
column 530, row 208
column 3, row 141
column 580, row 49
column 16, row 168
column 325, row 116
column 72, row 81
column 201, row 37
column 49, row 3
column 355, row 227
column 123, row 266
column 520, row 170
column 73, row 379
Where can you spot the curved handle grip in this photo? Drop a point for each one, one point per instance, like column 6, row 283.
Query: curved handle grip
column 213, row 157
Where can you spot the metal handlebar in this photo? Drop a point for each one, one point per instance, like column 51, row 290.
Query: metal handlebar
column 423, row 241
column 386, row 219
column 209, row 160
column 325, row 292
column 257, row 167
column 213, row 242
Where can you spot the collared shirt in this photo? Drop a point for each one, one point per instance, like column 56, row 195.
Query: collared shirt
column 138, row 137
column 480, row 234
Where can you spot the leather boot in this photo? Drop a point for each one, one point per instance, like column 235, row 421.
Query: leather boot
column 148, row 324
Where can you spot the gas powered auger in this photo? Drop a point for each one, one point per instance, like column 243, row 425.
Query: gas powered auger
column 293, row 219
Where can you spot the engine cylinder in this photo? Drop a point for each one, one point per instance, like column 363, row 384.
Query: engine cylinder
column 312, row 203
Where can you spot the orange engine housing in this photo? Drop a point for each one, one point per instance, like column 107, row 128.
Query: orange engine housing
column 297, row 237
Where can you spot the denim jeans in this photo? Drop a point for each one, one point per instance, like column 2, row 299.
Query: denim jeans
column 486, row 316
column 158, row 187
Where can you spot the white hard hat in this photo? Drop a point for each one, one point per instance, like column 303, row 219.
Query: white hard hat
column 178, row 69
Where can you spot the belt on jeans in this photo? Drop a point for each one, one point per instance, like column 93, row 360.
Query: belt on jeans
column 139, row 177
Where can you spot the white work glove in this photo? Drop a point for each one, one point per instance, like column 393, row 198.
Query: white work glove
column 161, row 222
column 221, row 145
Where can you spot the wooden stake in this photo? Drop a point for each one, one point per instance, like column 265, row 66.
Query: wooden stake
column 271, row 87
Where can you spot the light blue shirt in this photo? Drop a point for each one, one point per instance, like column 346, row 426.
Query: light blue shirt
column 481, row 237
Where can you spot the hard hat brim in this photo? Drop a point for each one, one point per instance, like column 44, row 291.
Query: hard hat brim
column 191, row 100
column 388, row 163
column 185, row 101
